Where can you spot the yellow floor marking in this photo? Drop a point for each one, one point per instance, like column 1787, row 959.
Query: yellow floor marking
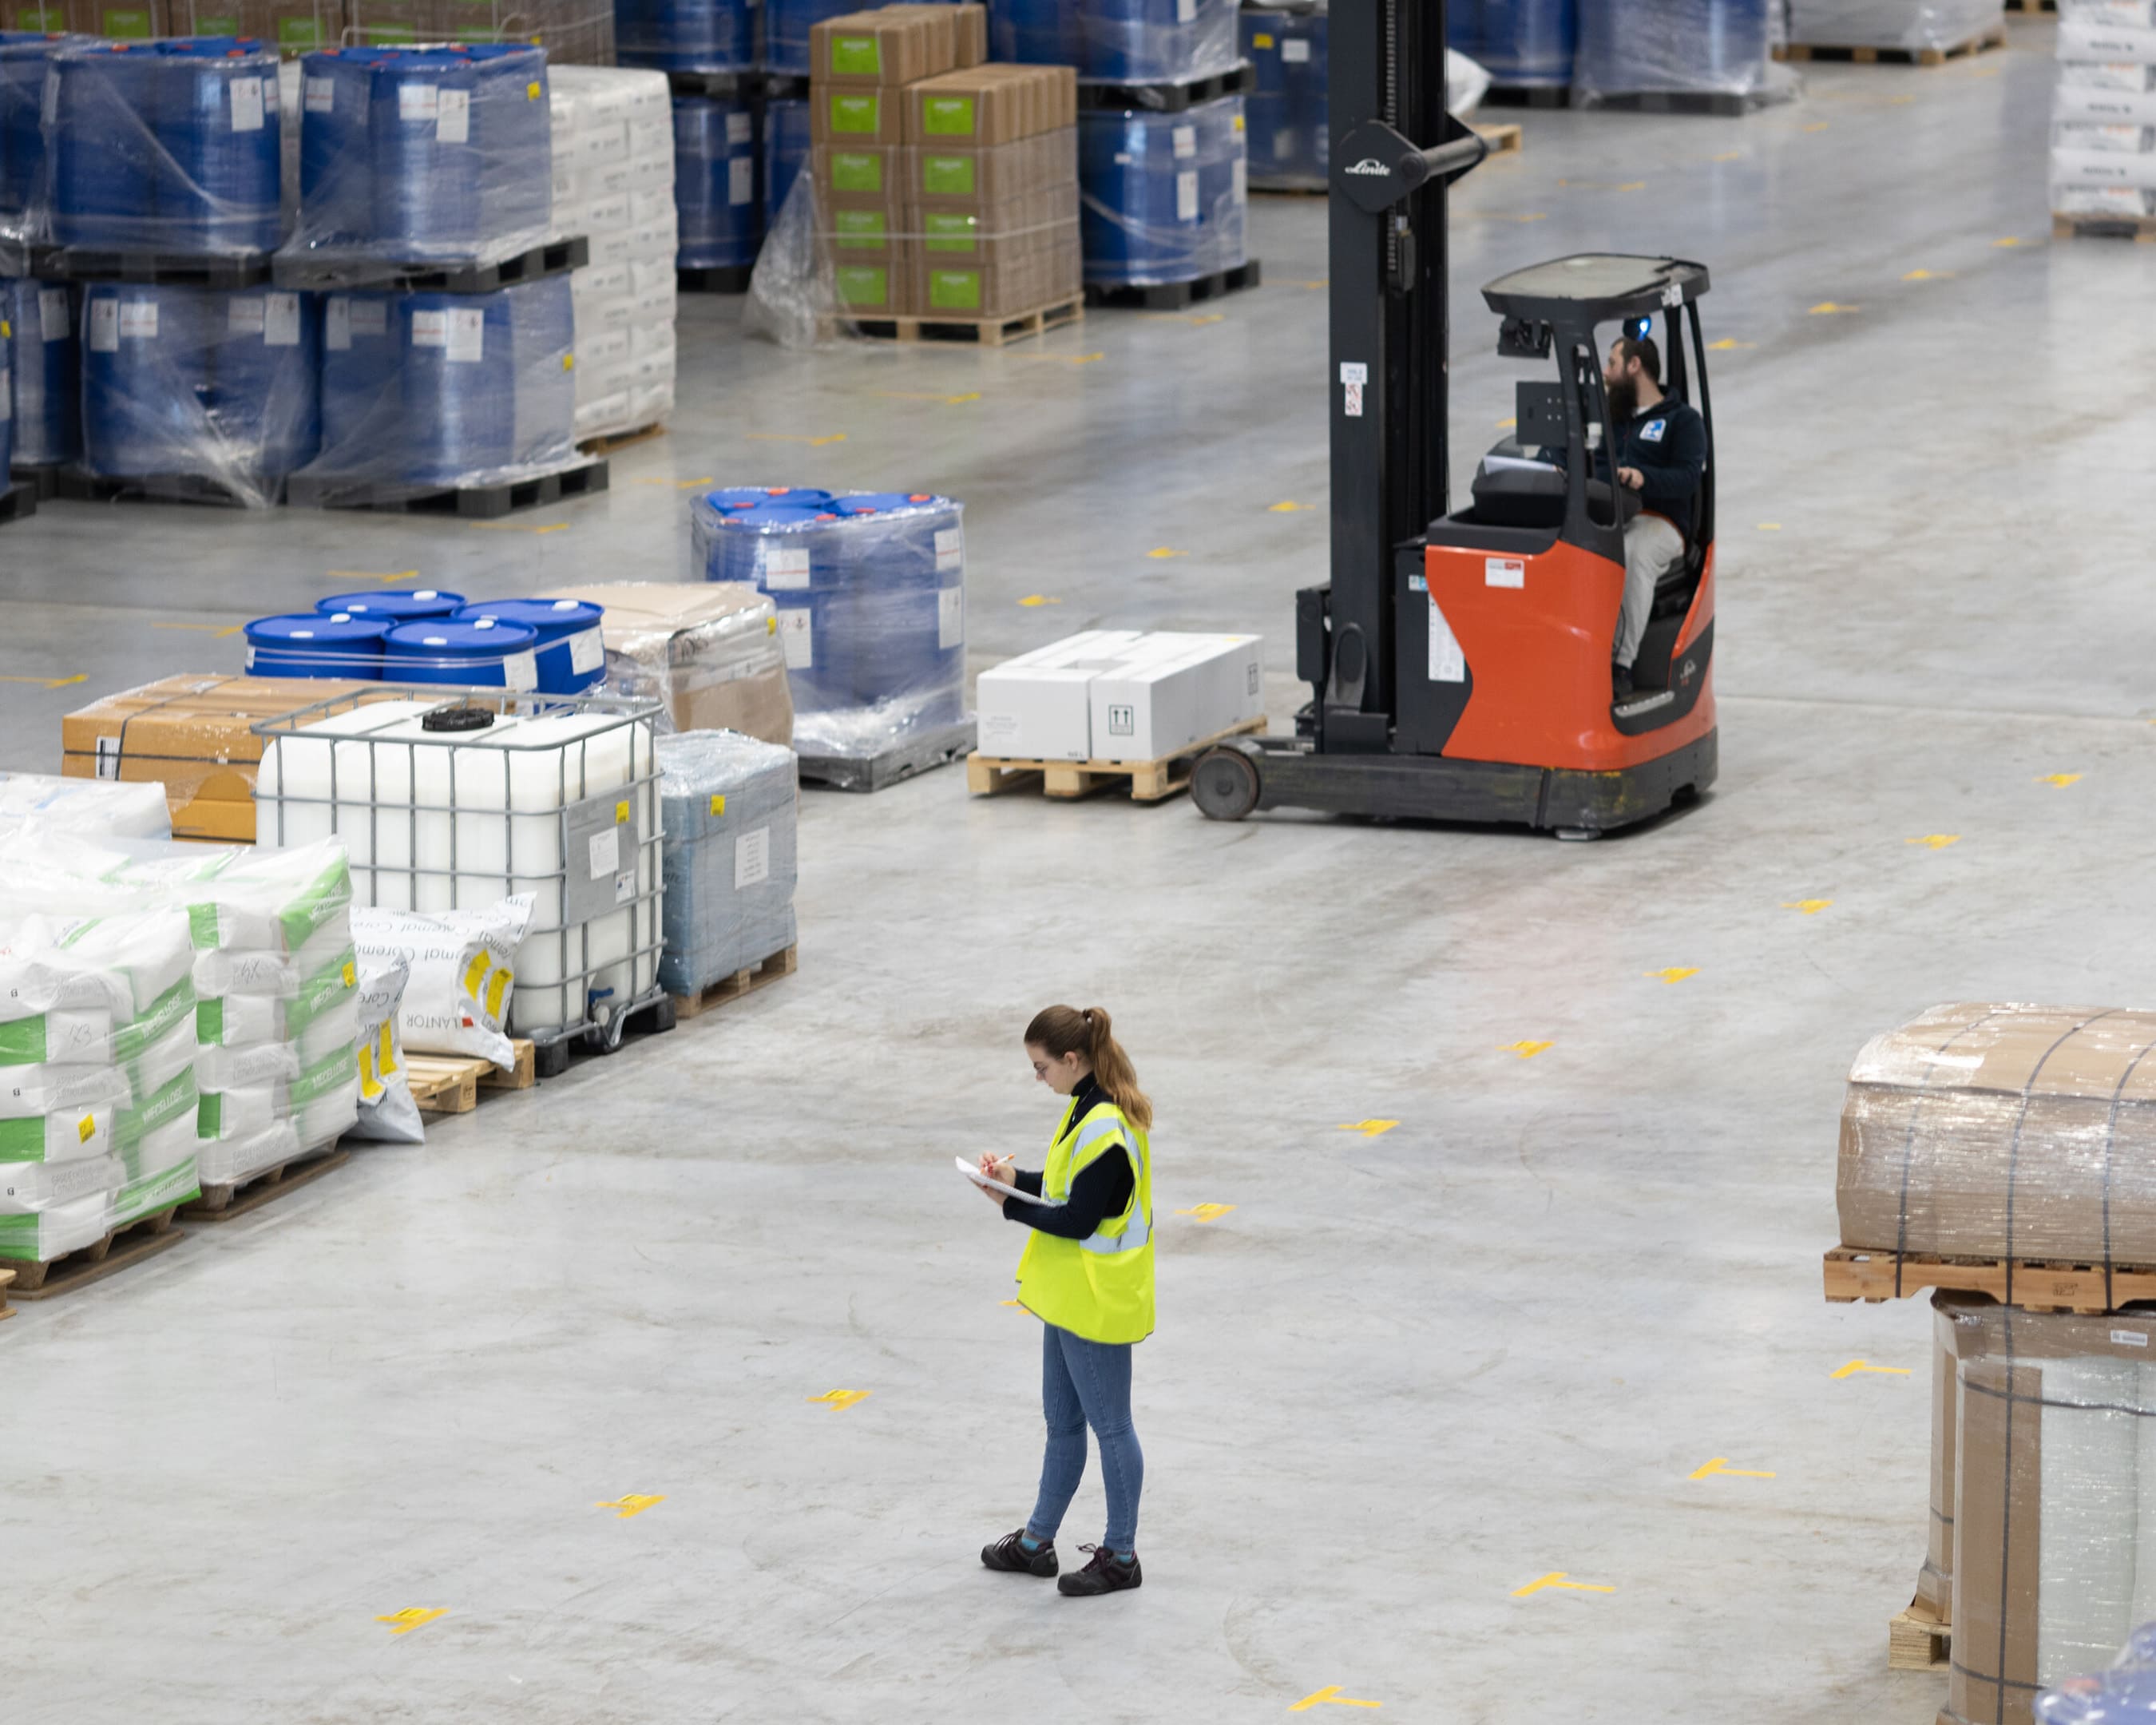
column 1167, row 550
column 1719, row 1465
column 49, row 682
column 1508, row 424
column 1555, row 1579
column 1526, row 1051
column 1600, row 186
column 1828, row 308
column 1936, row 841
column 1860, row 1365
column 1020, row 1304
column 219, row 629
column 1033, row 601
column 690, row 485
column 838, row 1399
column 412, row 1617
column 1728, row 344
column 634, row 1504
column 1817, row 126
column 515, row 527
column 1369, row 1128
column 1208, row 1212
column 1330, row 1696
column 948, row 400
column 1770, row 526
column 1201, row 317
column 1321, row 281
column 1810, row 906
column 1728, row 156
column 1059, row 359
column 1675, row 973
column 1287, row 508
column 1504, row 215
column 791, row 437
column 2061, row 779
column 372, row 575
column 2011, row 239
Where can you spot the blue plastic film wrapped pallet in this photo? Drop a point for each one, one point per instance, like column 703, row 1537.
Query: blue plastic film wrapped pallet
column 715, row 190
column 685, row 35
column 871, row 594
column 441, row 391
column 1524, row 44
column 1288, row 141
column 786, row 145
column 200, row 384
column 1683, row 48
column 161, row 148
column 24, row 56
column 728, row 806
column 44, row 359
column 1118, row 41
column 1164, row 195
column 431, row 156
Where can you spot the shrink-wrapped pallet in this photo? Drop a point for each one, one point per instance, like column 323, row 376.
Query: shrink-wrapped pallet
column 708, row 652
column 730, row 805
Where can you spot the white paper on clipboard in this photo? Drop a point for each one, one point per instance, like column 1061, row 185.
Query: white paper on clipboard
column 982, row 1181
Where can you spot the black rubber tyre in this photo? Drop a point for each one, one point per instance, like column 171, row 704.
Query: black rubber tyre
column 1224, row 784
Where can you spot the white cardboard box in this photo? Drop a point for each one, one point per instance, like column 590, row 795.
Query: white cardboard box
column 1037, row 706
column 1177, row 691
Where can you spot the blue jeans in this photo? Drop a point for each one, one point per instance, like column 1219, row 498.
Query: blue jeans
column 1087, row 1383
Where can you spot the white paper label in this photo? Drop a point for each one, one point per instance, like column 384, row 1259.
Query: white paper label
column 950, row 617
column 1504, row 572
column 430, row 329
column 520, row 670
column 108, row 757
column 1352, row 402
column 587, row 651
column 415, row 101
column 280, row 321
column 453, row 116
column 785, row 570
column 798, row 636
column 105, row 326
column 1239, row 181
column 1186, row 141
column 321, row 96
column 624, row 887
column 1447, row 664
column 50, row 113
column 1186, row 196
column 950, row 549
column 1186, row 12
column 243, row 317
column 138, row 320
column 752, row 858
column 606, row 853
column 1296, row 50
column 467, row 340
column 1353, row 371
column 246, row 103
column 53, row 322
column 2129, row 1338
column 336, row 324
column 370, row 317
column 738, row 129
column 741, row 180
column 269, row 96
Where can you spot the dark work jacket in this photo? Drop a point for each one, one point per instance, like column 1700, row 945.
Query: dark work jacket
column 1667, row 443
column 1102, row 1191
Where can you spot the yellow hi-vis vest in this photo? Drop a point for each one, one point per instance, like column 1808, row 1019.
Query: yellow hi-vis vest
column 1100, row 1287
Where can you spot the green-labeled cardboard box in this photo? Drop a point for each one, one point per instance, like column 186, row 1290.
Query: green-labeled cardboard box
column 968, row 177
column 871, row 286
column 46, row 15
column 870, row 175
column 122, row 20
column 992, row 103
column 895, row 46
column 855, row 118
column 292, row 27
column 1005, row 276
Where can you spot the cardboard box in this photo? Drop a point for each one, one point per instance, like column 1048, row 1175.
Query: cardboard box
column 709, row 650
column 1039, row 706
column 973, row 233
column 124, row 20
column 290, row 26
column 1005, row 278
column 990, row 104
column 871, row 175
column 1935, row 1580
column 194, row 735
column 964, row 177
column 1183, row 690
column 894, row 46
column 855, row 118
column 390, row 24
column 877, row 285
column 49, row 16
column 2004, row 1131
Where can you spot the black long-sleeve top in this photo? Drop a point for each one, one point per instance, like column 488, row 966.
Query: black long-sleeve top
column 1101, row 1191
column 1667, row 444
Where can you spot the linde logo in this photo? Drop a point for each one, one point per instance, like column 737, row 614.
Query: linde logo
column 1370, row 166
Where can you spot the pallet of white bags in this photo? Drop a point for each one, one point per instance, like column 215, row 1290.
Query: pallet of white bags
column 228, row 1203
column 144, row 1237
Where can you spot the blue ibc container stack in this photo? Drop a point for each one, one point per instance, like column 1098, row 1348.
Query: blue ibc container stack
column 715, row 189
column 25, row 55
column 786, row 145
column 164, row 147
column 869, row 588
column 1524, row 44
column 1288, row 139
column 45, row 360
column 685, row 35
column 1163, row 197
column 1118, row 41
column 1705, row 48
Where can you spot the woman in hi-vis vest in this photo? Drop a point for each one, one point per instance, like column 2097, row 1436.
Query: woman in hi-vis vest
column 1087, row 1276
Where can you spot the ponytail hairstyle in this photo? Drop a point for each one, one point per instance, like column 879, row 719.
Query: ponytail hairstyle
column 1063, row 1030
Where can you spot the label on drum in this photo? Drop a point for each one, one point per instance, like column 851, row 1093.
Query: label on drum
column 950, row 549
column 336, row 323
column 242, row 316
column 53, row 322
column 1186, row 196
column 1186, row 12
column 785, row 569
column 587, row 651
column 430, row 329
column 417, row 101
column 280, row 321
column 950, row 617
column 246, row 103
column 1294, row 51
column 798, row 636
column 467, row 336
column 370, row 317
column 269, row 96
column 138, row 320
column 1186, row 140
column 453, row 116
column 105, row 326
column 520, row 670
column 738, row 129
column 320, row 96
column 741, row 180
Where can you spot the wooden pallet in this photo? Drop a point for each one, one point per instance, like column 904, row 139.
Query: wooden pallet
column 1801, row 52
column 741, row 982
column 1150, row 780
column 228, row 1203
column 614, row 440
column 1502, row 137
column 1917, row 1640
column 143, row 1238
column 2141, row 228
column 2033, row 1284
column 450, row 1083
column 976, row 332
column 6, row 1277
column 2031, row 9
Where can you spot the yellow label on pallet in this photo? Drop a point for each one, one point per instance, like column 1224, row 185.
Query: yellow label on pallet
column 718, row 804
column 85, row 1129
column 620, row 813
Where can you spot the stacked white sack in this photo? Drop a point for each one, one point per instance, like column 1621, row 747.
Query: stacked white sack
column 2103, row 111
column 387, row 1113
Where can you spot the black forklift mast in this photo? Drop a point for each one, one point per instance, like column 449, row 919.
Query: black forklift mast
column 1387, row 383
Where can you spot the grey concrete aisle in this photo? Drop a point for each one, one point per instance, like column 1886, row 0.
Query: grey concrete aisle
column 1494, row 1173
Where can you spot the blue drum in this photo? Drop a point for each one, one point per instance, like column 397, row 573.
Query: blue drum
column 685, row 35
column 1671, row 47
column 45, row 360
column 1289, row 138
column 397, row 605
column 1119, row 41
column 148, row 356
column 1521, row 43
column 571, row 651
column 101, row 148
column 715, row 183
column 482, row 655
column 786, row 144
column 25, row 55
column 263, row 400
column 1162, row 197
column 312, row 645
column 219, row 163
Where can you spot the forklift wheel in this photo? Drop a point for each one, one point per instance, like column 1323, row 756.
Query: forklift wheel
column 1224, row 784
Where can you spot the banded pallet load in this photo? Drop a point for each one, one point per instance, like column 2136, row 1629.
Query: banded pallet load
column 1675, row 56
column 2103, row 119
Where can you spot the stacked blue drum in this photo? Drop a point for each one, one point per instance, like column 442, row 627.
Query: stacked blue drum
column 686, row 35
column 399, row 605
column 567, row 645
column 1524, row 44
column 425, row 154
column 316, row 644
column 1288, row 140
column 715, row 189
column 43, row 358
column 869, row 588
column 200, row 383
column 1713, row 48
column 439, row 390
column 25, row 55
column 786, row 145
column 1117, row 41
column 1163, row 196
column 163, row 147
column 482, row 652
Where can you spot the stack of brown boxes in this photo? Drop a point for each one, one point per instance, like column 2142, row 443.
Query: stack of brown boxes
column 574, row 33
column 947, row 188
column 294, row 26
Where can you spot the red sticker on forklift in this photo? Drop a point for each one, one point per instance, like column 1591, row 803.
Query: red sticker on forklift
column 1504, row 572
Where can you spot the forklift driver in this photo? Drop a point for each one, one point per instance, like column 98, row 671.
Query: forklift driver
column 1662, row 447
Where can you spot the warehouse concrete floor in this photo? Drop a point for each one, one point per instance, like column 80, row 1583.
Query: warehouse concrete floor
column 1571, row 1258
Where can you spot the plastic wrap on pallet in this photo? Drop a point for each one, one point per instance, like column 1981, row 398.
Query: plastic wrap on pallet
column 685, row 35
column 161, row 148
column 871, row 594
column 25, row 56
column 787, row 140
column 1934, row 1590
column 436, row 390
column 461, row 967
column 88, row 808
column 2004, row 1131
column 387, row 1114
column 468, row 803
column 1893, row 23
column 1524, row 44
column 427, row 155
column 1288, row 140
column 45, row 360
column 730, row 806
column 1685, row 48
column 708, row 653
column 1164, row 195
column 2103, row 112
column 792, row 297
column 1118, row 41
column 615, row 180
column 786, row 24
column 6, row 410
column 715, row 190
column 572, row 32
column 2122, row 1693
column 200, row 383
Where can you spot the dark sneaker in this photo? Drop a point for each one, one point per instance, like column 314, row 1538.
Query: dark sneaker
column 1010, row 1553
column 1104, row 1575
column 1620, row 680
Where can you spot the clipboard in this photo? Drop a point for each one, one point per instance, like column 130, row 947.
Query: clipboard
column 986, row 1185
